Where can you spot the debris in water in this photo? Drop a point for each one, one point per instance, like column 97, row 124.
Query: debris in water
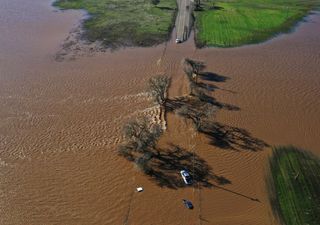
column 139, row 189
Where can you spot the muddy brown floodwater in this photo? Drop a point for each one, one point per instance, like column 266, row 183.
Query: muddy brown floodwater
column 60, row 123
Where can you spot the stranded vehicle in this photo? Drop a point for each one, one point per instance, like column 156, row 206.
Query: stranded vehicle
column 186, row 176
column 187, row 204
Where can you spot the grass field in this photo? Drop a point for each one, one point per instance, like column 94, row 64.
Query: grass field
column 125, row 22
column 295, row 186
column 230, row 23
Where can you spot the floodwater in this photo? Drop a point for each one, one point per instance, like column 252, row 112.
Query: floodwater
column 60, row 123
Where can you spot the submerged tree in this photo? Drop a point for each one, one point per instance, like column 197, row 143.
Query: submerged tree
column 141, row 138
column 141, row 135
column 158, row 87
column 193, row 68
column 206, row 112
column 198, row 115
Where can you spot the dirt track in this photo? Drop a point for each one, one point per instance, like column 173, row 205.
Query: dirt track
column 183, row 22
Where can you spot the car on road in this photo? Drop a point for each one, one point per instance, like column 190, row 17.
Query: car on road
column 178, row 40
column 187, row 204
column 186, row 176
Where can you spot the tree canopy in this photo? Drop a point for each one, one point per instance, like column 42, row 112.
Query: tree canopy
column 158, row 86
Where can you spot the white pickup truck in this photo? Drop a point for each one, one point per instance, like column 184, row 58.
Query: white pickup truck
column 186, row 176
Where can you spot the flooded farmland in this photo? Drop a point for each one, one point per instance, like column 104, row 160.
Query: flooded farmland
column 60, row 124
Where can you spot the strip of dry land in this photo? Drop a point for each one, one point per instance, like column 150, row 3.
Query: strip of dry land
column 184, row 19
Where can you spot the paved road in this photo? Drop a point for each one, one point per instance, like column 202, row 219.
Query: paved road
column 183, row 23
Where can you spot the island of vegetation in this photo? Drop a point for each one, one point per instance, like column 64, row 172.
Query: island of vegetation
column 295, row 186
column 125, row 22
column 219, row 23
column 225, row 23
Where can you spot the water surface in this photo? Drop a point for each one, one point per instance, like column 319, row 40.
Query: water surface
column 60, row 123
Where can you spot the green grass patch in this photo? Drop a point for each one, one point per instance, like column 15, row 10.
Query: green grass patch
column 125, row 22
column 230, row 23
column 295, row 186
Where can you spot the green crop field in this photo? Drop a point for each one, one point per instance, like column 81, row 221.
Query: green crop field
column 229, row 23
column 295, row 186
column 125, row 22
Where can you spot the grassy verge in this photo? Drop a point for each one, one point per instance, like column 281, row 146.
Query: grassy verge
column 295, row 186
column 125, row 22
column 230, row 23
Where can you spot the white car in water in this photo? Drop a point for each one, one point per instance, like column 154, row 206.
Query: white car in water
column 186, row 176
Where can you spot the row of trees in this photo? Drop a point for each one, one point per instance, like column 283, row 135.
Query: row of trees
column 200, row 110
column 193, row 69
column 141, row 136
column 199, row 115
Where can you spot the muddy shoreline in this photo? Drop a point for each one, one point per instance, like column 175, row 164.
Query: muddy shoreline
column 77, row 44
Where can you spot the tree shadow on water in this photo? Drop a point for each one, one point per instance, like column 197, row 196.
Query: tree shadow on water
column 202, row 98
column 232, row 138
column 209, row 76
column 220, row 135
column 165, row 167
column 209, row 99
column 207, row 86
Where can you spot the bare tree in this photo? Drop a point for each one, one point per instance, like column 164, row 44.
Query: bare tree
column 158, row 87
column 205, row 113
column 198, row 115
column 141, row 135
column 134, row 129
column 195, row 66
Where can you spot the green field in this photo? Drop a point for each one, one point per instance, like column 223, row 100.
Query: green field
column 295, row 186
column 230, row 23
column 125, row 22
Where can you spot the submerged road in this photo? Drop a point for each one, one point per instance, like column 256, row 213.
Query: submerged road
column 183, row 23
